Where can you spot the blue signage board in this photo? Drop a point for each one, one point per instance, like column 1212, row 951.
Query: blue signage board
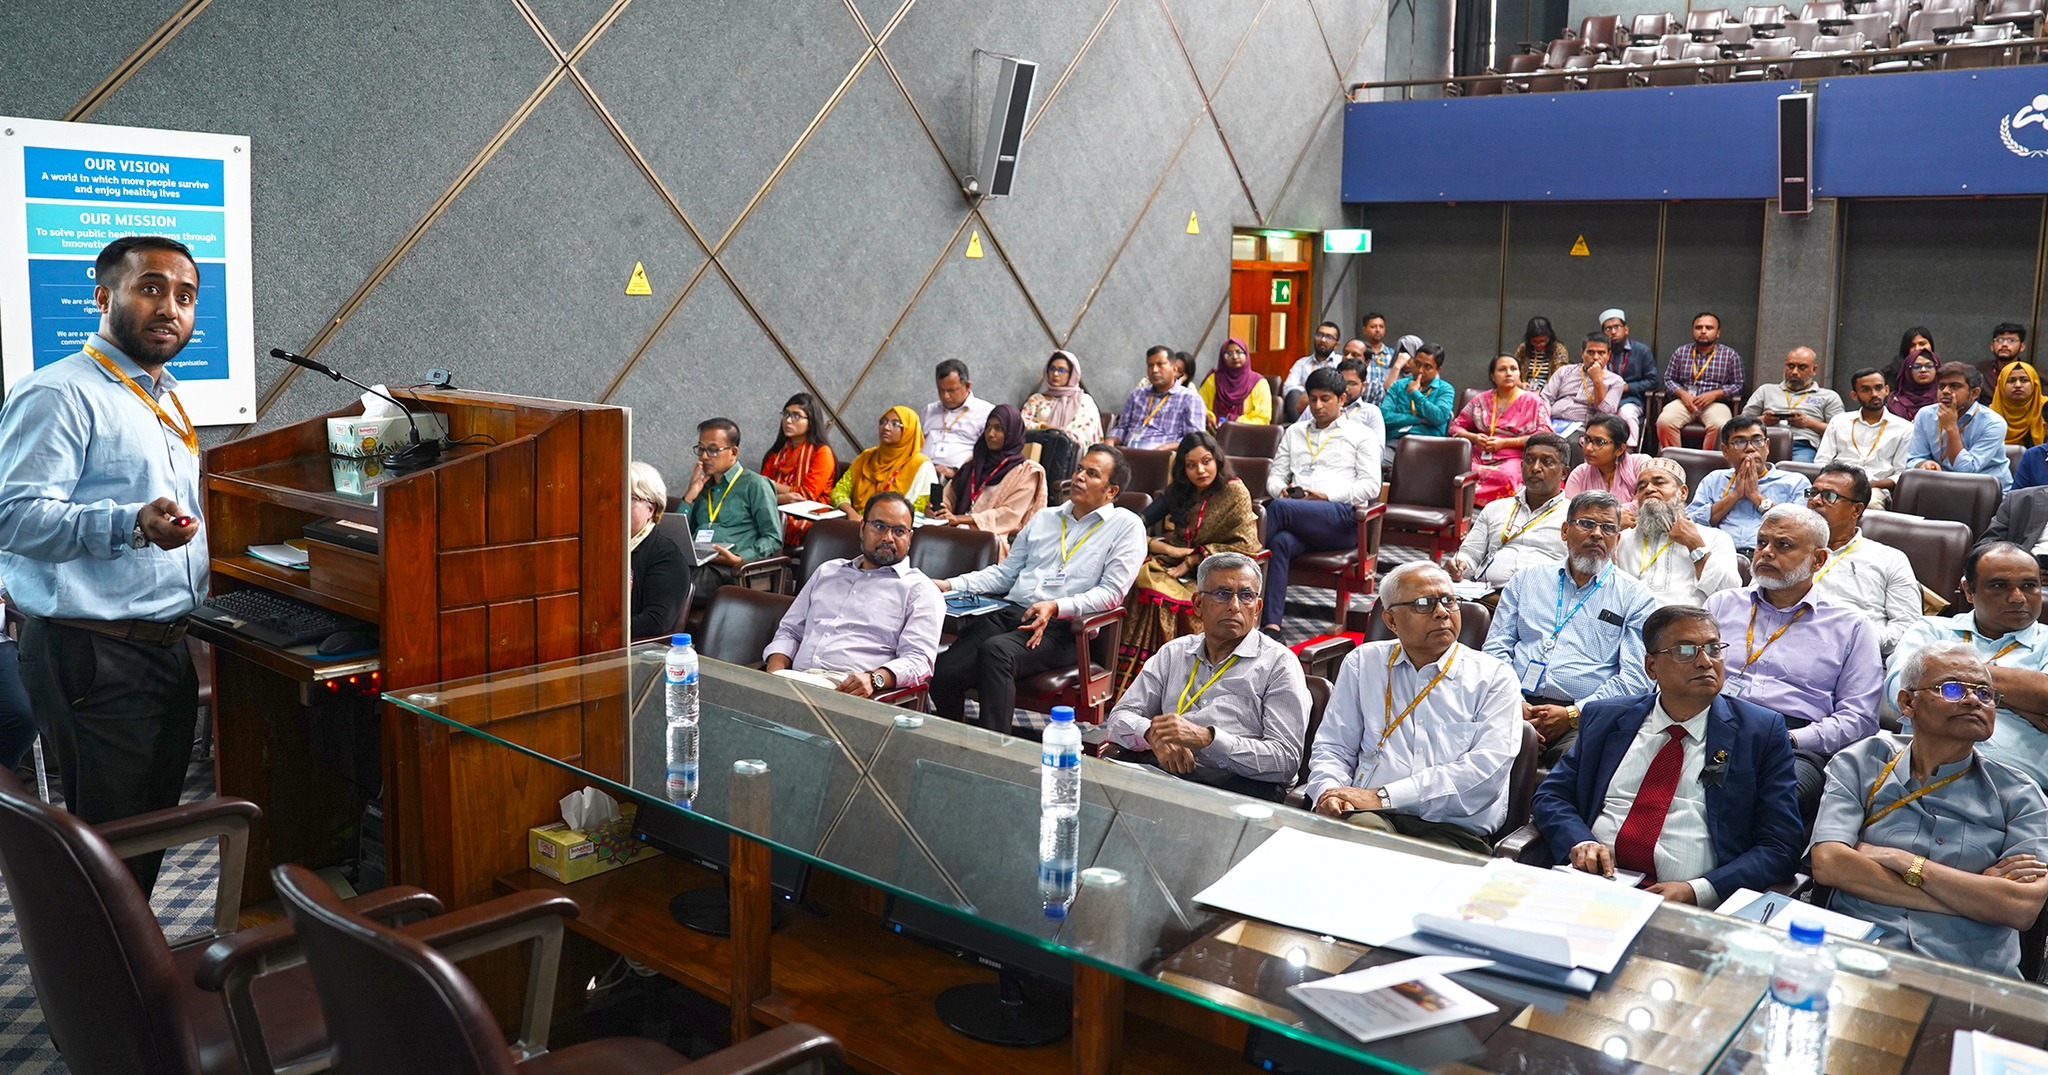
column 1945, row 133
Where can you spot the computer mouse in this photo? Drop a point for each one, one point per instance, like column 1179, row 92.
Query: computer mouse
column 347, row 642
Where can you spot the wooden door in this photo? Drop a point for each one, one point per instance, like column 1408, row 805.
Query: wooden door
column 1269, row 302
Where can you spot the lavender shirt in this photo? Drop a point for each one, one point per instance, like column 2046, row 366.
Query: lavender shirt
column 1824, row 670
column 849, row 620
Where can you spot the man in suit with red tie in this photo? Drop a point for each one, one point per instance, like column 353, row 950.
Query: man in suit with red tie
column 1690, row 789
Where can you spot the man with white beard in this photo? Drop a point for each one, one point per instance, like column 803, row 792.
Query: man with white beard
column 1676, row 559
column 1813, row 660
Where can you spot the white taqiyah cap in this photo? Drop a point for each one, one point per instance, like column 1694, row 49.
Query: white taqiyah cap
column 1613, row 315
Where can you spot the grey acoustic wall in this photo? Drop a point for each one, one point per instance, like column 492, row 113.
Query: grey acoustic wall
column 1544, row 278
column 1435, row 272
column 469, row 183
column 1713, row 260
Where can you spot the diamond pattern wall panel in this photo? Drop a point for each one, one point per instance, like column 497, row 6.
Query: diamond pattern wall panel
column 1098, row 150
column 877, row 13
column 1265, row 118
column 1345, row 23
column 72, row 46
column 339, row 174
column 834, row 251
column 714, row 92
column 568, row 21
column 1210, row 31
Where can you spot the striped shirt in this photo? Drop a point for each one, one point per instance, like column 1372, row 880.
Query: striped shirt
column 1719, row 370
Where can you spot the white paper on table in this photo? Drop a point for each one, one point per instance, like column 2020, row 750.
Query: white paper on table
column 810, row 509
column 1407, row 970
column 1836, row 923
column 1314, row 883
column 1382, row 1002
column 1628, row 878
column 1564, row 920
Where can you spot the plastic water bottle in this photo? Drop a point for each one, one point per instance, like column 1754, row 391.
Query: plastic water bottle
column 1059, row 841
column 1059, row 756
column 1796, row 1015
column 682, row 720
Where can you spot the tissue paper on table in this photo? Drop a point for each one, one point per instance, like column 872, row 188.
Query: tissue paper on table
column 589, row 810
column 594, row 835
column 381, row 425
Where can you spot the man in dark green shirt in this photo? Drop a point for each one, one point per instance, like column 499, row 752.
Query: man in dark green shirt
column 734, row 503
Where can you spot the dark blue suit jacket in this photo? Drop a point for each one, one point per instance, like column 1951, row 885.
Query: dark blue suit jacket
column 1752, row 810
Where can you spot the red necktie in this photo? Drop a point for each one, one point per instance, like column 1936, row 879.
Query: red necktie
column 1635, row 845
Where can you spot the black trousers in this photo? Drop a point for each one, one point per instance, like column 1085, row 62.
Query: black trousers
column 17, row 716
column 988, row 657
column 119, row 715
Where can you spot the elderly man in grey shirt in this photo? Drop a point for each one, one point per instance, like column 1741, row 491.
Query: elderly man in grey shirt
column 1926, row 836
column 871, row 620
column 1227, row 707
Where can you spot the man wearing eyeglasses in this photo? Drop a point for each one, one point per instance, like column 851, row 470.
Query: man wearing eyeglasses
column 733, row 504
column 1520, row 531
column 1690, row 789
column 1294, row 390
column 1574, row 634
column 1227, row 707
column 2003, row 584
column 1863, row 573
column 870, row 621
column 1871, row 438
column 1925, row 835
column 1678, row 560
column 1959, row 434
column 1735, row 499
column 1421, row 732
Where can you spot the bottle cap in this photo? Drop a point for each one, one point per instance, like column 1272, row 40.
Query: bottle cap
column 1806, row 931
column 679, row 640
column 1055, row 911
column 1063, row 712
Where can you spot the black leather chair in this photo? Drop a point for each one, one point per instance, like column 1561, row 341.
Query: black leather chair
column 400, row 1007
column 1151, row 469
column 1431, row 500
column 1808, row 470
column 832, row 539
column 1252, row 471
column 1970, row 499
column 1698, row 463
column 943, row 552
column 1936, row 548
column 739, row 623
column 1517, row 838
column 1249, row 439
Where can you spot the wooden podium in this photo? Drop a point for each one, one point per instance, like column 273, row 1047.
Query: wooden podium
column 509, row 551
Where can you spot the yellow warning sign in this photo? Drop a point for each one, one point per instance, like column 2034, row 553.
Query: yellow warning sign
column 1194, row 226
column 974, row 243
column 638, row 285
column 1579, row 248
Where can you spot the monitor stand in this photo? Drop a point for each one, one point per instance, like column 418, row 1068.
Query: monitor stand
column 1010, row 1011
column 709, row 910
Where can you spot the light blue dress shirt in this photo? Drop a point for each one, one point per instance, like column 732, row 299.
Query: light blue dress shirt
column 1599, row 651
column 1087, row 568
column 1782, row 486
column 2013, row 740
column 1983, row 443
column 80, row 454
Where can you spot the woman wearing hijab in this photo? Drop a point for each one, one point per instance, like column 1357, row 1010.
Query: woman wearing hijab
column 998, row 490
column 1234, row 392
column 2017, row 399
column 1914, row 386
column 895, row 465
column 1061, row 417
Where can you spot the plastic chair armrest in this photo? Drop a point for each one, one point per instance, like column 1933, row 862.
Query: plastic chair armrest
column 1523, row 845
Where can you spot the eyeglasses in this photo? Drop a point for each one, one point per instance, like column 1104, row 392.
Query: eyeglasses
column 792, row 414
column 885, row 530
column 1423, row 606
column 1955, row 691
column 1596, row 442
column 1690, row 651
column 705, row 451
column 1749, row 442
column 1587, row 526
column 649, row 501
column 1232, row 597
column 1921, row 366
column 892, row 423
column 1829, row 496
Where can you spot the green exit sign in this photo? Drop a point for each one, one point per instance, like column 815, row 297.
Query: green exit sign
column 1348, row 241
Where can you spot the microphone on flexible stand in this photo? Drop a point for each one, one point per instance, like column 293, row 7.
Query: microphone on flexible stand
column 419, row 453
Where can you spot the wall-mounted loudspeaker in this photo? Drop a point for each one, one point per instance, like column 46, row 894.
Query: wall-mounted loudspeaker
column 1795, row 153
column 996, row 168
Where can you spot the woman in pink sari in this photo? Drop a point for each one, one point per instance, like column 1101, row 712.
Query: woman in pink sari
column 1498, row 423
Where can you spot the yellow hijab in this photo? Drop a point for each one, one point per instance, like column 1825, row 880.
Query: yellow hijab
column 2023, row 425
column 887, row 468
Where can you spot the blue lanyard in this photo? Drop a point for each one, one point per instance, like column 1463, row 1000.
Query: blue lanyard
column 1564, row 619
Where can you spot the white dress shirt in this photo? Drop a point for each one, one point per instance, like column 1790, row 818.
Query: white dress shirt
column 1086, row 564
column 1449, row 761
column 949, row 435
column 1512, row 534
column 1879, row 449
column 1669, row 572
column 1256, row 699
column 1877, row 580
column 851, row 620
column 1340, row 461
column 1685, row 850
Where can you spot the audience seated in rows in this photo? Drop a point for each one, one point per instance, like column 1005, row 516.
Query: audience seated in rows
column 997, row 490
column 953, row 422
column 1797, row 403
column 1609, row 466
column 736, row 505
column 800, row 464
column 1227, row 706
column 1422, row 401
column 1068, row 562
column 1870, row 438
column 1234, row 391
column 1158, row 413
column 1687, row 786
column 1522, row 531
column 894, row 465
column 1863, row 573
column 1959, row 434
column 1421, row 732
column 1061, row 417
column 1704, row 379
column 1926, row 836
column 1679, row 561
column 1578, row 392
column 1735, row 499
column 1498, row 422
column 1637, row 365
column 1325, row 356
column 869, row 623
column 1540, row 354
column 1204, row 511
column 1326, row 466
column 1573, row 634
column 1813, row 661
column 660, row 572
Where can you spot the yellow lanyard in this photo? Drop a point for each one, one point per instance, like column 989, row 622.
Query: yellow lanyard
column 1652, row 561
column 1836, row 559
column 1067, row 553
column 2009, row 647
column 1906, row 798
column 1528, row 526
column 1424, row 693
column 1315, row 451
column 1160, row 402
column 1699, row 365
column 1874, row 441
column 714, row 508
column 1794, row 405
column 1750, row 647
column 189, row 434
column 1187, row 703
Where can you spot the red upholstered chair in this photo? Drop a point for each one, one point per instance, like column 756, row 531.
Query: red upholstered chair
column 1088, row 685
column 1970, row 499
column 1252, row 471
column 1134, row 501
column 1430, row 503
column 1781, row 443
column 1351, row 572
column 400, row 1007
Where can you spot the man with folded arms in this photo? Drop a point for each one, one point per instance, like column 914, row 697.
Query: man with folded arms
column 1678, row 560
column 1691, row 789
column 1227, row 707
column 1866, row 574
column 872, row 620
column 1421, row 732
column 1924, row 835
column 1522, row 530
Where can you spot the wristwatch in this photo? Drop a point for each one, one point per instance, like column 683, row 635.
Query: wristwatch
column 1571, row 713
column 1698, row 554
column 1381, row 794
column 138, row 539
column 1915, row 874
column 876, row 681
column 1766, row 505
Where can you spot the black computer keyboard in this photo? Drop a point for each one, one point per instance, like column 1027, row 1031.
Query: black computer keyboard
column 275, row 619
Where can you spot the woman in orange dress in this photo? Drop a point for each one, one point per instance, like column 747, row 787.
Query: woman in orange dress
column 799, row 464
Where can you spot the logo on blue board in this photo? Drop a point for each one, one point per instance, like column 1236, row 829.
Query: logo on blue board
column 2033, row 114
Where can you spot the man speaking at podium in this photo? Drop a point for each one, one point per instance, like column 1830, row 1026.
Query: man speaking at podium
column 99, row 509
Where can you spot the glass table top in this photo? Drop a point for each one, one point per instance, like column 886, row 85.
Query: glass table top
column 945, row 818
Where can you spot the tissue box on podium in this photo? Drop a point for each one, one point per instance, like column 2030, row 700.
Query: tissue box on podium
column 363, row 436
column 568, row 855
